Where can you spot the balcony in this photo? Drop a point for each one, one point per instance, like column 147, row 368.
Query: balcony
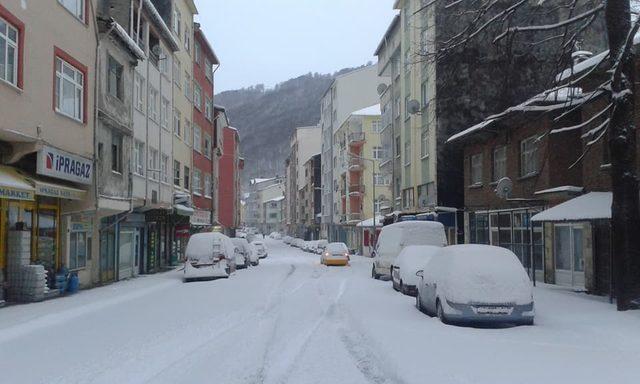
column 356, row 139
column 356, row 190
column 354, row 217
column 355, row 164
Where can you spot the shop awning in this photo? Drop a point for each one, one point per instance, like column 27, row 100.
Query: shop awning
column 592, row 206
column 14, row 186
column 183, row 210
column 46, row 188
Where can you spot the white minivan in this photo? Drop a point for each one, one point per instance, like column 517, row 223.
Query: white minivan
column 395, row 237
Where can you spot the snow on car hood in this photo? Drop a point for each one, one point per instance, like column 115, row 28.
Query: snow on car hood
column 480, row 274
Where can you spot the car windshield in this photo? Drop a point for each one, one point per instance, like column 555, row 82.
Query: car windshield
column 230, row 191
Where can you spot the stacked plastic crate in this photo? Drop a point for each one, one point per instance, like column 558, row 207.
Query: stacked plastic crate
column 26, row 282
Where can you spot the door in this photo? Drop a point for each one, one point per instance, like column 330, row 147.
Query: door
column 47, row 238
column 126, row 253
column 569, row 255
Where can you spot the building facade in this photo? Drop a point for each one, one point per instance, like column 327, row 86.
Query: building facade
column 230, row 166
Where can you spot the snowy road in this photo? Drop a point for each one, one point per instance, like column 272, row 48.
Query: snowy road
column 292, row 320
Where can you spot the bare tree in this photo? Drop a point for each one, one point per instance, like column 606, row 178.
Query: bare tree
column 562, row 25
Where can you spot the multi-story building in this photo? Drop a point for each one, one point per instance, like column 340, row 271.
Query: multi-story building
column 230, row 165
column 47, row 187
column 205, row 148
column 431, row 99
column 363, row 189
column 117, row 57
column 304, row 143
column 310, row 206
column 181, row 18
column 348, row 92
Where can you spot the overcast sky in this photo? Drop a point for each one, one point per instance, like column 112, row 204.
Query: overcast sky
column 269, row 41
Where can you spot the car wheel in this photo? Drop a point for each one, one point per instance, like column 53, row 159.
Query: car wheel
column 374, row 275
column 440, row 312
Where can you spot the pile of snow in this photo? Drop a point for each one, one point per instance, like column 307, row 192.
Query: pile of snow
column 412, row 259
column 475, row 273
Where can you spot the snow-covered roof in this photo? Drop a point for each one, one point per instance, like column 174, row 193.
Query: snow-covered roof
column 127, row 40
column 259, row 180
column 159, row 22
column 369, row 222
column 564, row 188
column 275, row 200
column 373, row 110
column 592, row 206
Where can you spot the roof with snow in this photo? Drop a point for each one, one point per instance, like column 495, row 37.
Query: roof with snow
column 161, row 25
column 592, row 206
column 127, row 40
column 555, row 99
column 369, row 222
column 259, row 180
column 280, row 198
column 564, row 188
column 373, row 110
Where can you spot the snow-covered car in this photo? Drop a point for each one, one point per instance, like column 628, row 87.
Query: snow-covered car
column 320, row 245
column 335, row 254
column 475, row 283
column 309, row 246
column 241, row 234
column 297, row 242
column 245, row 250
column 395, row 237
column 209, row 255
column 287, row 240
column 410, row 260
column 277, row 236
column 261, row 249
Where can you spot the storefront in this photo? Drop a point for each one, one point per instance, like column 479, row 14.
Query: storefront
column 31, row 233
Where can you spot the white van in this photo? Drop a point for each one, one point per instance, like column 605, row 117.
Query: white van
column 395, row 237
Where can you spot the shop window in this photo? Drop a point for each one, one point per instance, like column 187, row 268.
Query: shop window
column 78, row 250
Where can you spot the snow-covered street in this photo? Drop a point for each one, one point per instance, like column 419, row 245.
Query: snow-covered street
column 292, row 320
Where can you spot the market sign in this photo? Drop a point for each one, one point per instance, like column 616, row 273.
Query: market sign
column 16, row 194
column 53, row 162
column 59, row 191
column 201, row 218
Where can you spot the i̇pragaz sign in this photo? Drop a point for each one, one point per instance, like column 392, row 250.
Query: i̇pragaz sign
column 53, row 162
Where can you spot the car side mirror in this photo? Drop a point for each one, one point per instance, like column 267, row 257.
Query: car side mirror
column 420, row 273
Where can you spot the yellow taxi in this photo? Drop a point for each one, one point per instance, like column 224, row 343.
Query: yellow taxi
column 335, row 254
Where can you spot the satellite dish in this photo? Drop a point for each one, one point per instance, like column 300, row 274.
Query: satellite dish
column 413, row 106
column 156, row 50
column 381, row 88
column 504, row 188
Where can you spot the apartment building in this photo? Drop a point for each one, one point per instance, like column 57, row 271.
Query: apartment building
column 348, row 92
column 305, row 142
column 230, row 166
column 205, row 150
column 310, row 196
column 47, row 182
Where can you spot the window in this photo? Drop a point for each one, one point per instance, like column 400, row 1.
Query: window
column 207, row 186
column 398, row 147
column 197, row 187
column 197, row 96
column 153, row 104
column 77, row 250
column 177, row 120
column 164, row 166
column 9, row 48
column 186, row 177
column 166, row 112
column 176, row 173
column 207, row 145
column 116, row 153
column 424, row 144
column 153, row 163
column 407, row 198
column 208, row 110
column 476, row 169
column 69, row 90
column 376, row 126
column 406, row 107
column 381, row 179
column 378, row 153
column 407, row 152
column 163, row 62
column 499, row 163
column 529, row 156
column 208, row 69
column 187, row 132
column 197, row 139
column 176, row 21
column 187, row 86
column 114, row 79
column 187, row 38
column 177, row 72
column 139, row 92
column 138, row 153
column 423, row 94
column 76, row 7
column 196, row 52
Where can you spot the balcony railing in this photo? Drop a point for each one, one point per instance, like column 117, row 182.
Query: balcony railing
column 354, row 217
column 356, row 138
column 356, row 189
column 355, row 163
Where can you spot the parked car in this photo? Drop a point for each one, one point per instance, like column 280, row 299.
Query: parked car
column 335, row 254
column 261, row 249
column 287, row 239
column 410, row 260
column 320, row 245
column 209, row 255
column 309, row 246
column 475, row 283
column 245, row 251
column 395, row 237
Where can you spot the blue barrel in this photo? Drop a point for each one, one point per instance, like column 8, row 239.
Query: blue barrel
column 61, row 282
column 74, row 283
